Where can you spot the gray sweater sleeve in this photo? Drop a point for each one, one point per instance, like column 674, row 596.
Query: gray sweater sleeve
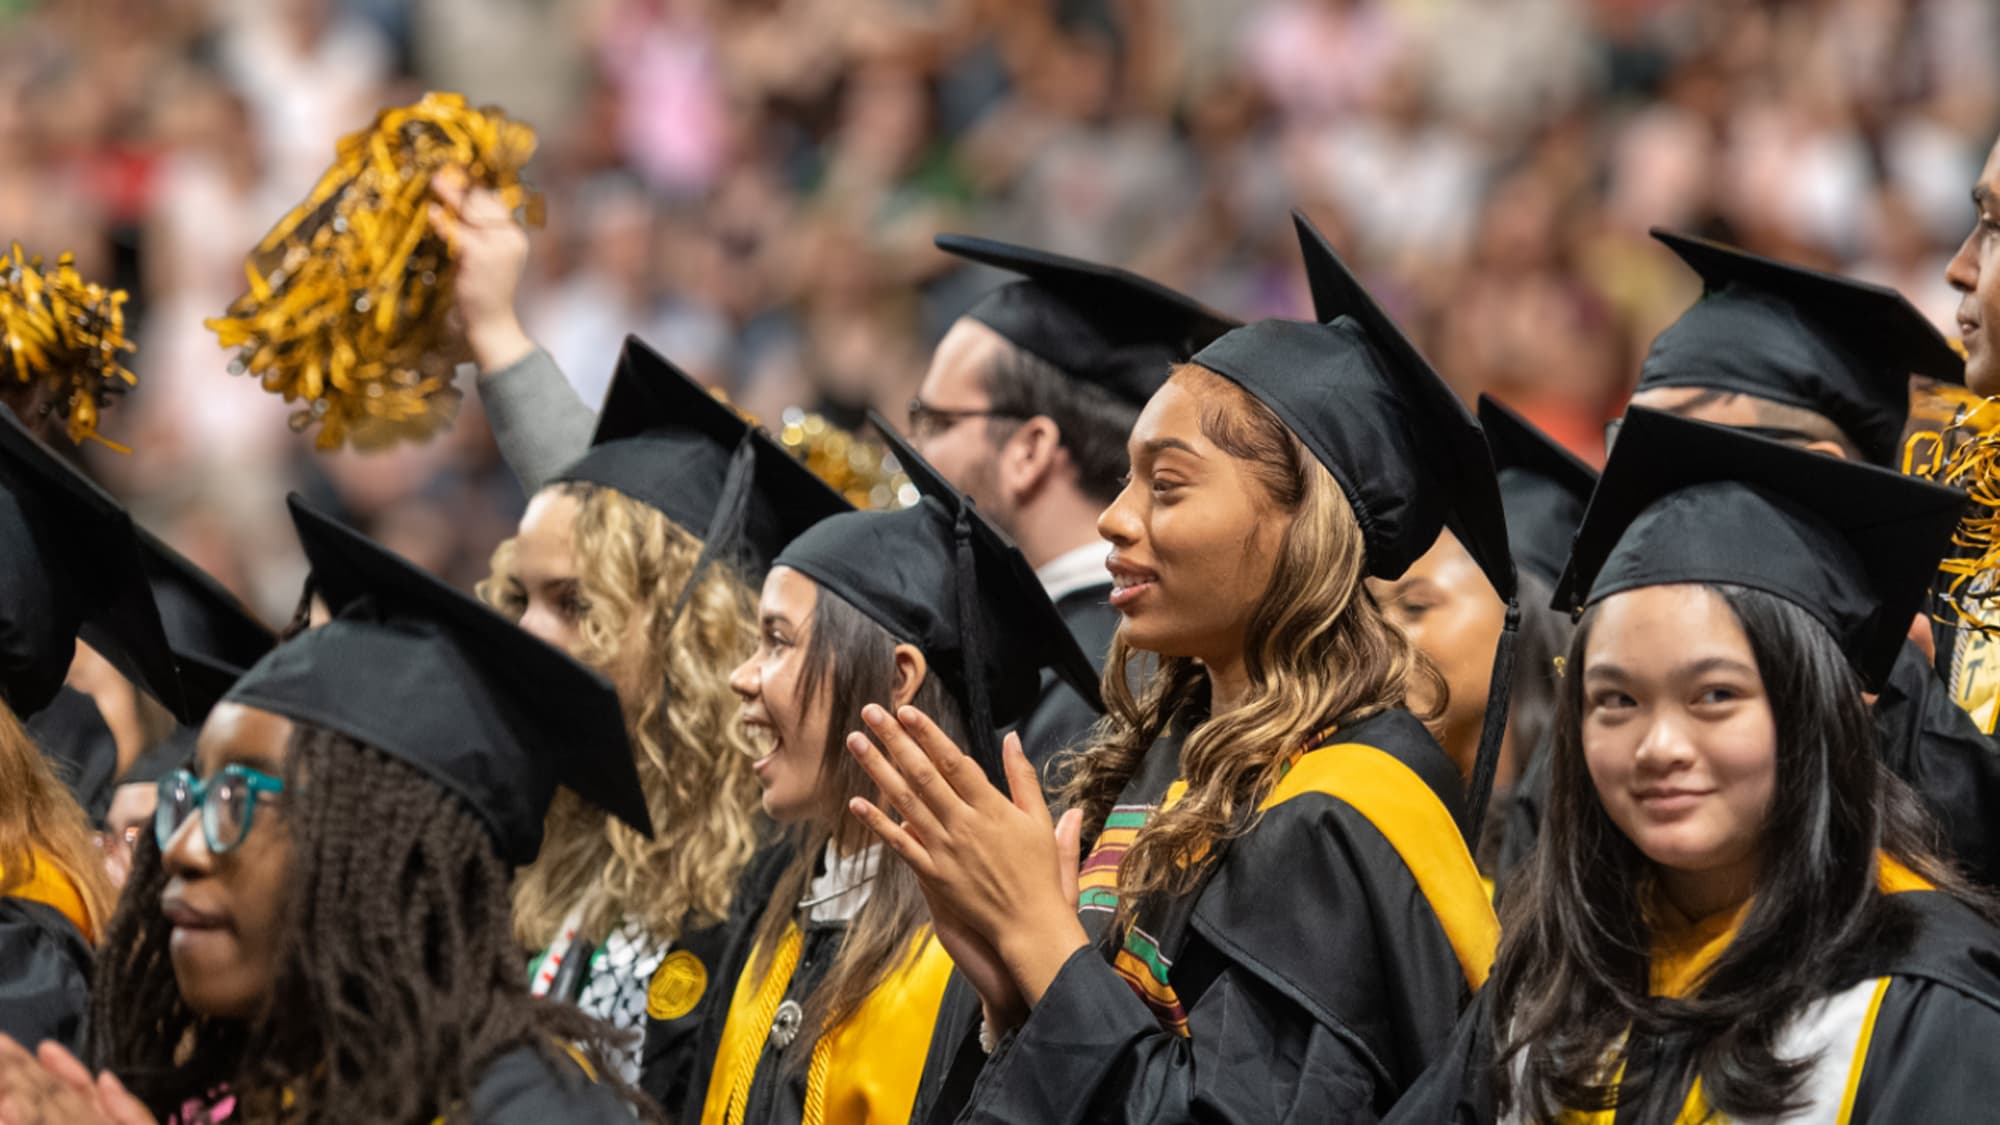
column 538, row 419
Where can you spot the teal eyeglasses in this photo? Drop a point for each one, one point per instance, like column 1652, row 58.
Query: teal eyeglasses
column 227, row 803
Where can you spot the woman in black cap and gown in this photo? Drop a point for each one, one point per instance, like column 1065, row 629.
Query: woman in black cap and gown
column 834, row 986
column 318, row 928
column 1291, row 932
column 1735, row 912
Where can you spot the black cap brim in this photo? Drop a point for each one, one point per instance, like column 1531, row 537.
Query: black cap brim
column 102, row 556
column 594, row 757
column 1452, row 436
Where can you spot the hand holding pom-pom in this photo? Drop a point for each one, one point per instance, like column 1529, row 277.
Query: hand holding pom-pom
column 350, row 294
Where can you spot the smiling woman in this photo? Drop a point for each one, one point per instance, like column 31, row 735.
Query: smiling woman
column 1734, row 909
column 638, row 561
column 1286, row 917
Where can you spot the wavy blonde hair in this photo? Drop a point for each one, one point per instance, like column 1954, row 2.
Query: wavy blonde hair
column 693, row 755
column 1319, row 652
column 41, row 823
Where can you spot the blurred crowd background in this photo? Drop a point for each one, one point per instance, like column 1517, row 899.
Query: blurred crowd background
column 752, row 186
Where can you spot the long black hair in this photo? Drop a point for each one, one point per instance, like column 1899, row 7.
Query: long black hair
column 1572, row 975
column 398, row 980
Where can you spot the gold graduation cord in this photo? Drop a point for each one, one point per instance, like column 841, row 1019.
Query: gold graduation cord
column 746, row 1046
column 770, row 994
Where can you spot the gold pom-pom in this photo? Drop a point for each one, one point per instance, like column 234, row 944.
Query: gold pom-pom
column 858, row 468
column 349, row 293
column 59, row 329
column 1965, row 454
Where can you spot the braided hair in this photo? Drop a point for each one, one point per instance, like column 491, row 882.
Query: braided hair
column 399, row 980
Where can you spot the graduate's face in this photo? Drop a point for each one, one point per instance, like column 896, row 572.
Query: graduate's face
column 225, row 908
column 771, row 687
column 1975, row 272
column 546, row 593
column 957, row 444
column 1678, row 732
column 1194, row 534
column 1449, row 611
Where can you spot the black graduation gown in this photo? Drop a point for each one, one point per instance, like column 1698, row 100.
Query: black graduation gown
column 75, row 738
column 1318, row 972
column 1926, row 739
column 1922, row 1021
column 1930, row 742
column 1060, row 719
column 523, row 1087
column 679, row 1049
column 44, row 975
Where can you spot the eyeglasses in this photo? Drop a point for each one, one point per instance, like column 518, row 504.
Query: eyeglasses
column 1769, row 433
column 927, row 421
column 227, row 803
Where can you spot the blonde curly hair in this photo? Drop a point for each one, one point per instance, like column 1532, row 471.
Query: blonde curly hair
column 693, row 755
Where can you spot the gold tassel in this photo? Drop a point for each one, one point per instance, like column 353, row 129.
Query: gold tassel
column 1965, row 454
column 349, row 294
column 59, row 329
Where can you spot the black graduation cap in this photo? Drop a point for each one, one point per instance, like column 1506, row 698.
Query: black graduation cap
column 1408, row 455
column 1103, row 325
column 1855, row 545
column 1840, row 348
column 1543, row 486
column 942, row 577
column 425, row 674
column 70, row 566
column 664, row 440
column 213, row 636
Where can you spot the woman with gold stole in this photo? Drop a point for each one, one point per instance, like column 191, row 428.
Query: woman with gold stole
column 1295, row 922
column 835, row 985
column 1735, row 910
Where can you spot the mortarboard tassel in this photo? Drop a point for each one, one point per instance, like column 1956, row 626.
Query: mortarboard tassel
column 725, row 527
column 972, row 641
column 1493, row 731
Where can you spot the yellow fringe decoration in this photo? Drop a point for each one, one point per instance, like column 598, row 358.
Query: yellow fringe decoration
column 349, row 294
column 856, row 467
column 1965, row 454
column 60, row 329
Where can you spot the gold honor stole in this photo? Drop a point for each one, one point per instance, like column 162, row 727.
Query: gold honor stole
column 865, row 1069
column 1836, row 1031
column 49, row 886
column 1390, row 795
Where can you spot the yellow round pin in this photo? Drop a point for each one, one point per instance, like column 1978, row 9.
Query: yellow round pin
column 676, row 987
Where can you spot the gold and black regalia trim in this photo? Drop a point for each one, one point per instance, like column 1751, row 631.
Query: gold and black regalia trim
column 1908, row 1038
column 1312, row 975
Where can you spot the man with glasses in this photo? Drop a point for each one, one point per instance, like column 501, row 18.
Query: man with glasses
column 1026, row 407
